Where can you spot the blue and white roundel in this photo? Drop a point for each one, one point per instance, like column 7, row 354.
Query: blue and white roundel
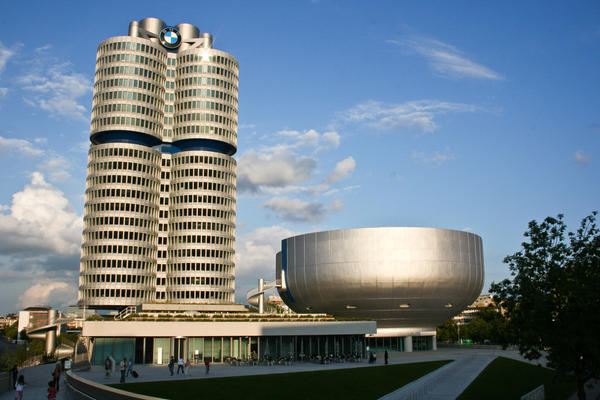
column 171, row 37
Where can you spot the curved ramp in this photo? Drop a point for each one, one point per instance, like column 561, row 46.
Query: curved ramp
column 254, row 296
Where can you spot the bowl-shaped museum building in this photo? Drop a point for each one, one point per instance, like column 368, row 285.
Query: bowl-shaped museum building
column 407, row 279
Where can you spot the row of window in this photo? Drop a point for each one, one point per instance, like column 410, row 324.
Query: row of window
column 211, row 295
column 195, row 58
column 208, row 253
column 132, row 45
column 200, row 280
column 112, row 220
column 182, row 83
column 88, row 250
column 151, row 184
column 206, row 105
column 204, row 212
column 123, row 206
column 127, row 193
column 100, row 123
column 100, row 165
column 215, row 130
column 199, row 159
column 120, row 235
column 127, row 95
column 199, row 92
column 198, row 239
column 118, row 263
column 133, row 83
column 103, row 109
column 129, row 70
column 131, row 58
column 104, row 293
column 119, row 278
column 102, row 151
column 202, row 117
column 206, row 69
column 192, row 266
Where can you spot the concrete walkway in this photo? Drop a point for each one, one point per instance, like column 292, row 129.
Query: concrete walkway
column 36, row 383
column 444, row 383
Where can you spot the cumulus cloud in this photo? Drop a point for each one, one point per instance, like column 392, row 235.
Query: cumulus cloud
column 581, row 158
column 19, row 146
column 257, row 171
column 416, row 115
column 301, row 211
column 58, row 294
column 435, row 158
column 341, row 170
column 255, row 257
column 446, row 60
column 41, row 219
column 56, row 89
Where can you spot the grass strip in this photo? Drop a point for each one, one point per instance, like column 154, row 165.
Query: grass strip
column 505, row 378
column 349, row 383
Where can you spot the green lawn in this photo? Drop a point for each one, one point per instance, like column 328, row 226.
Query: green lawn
column 349, row 383
column 505, row 378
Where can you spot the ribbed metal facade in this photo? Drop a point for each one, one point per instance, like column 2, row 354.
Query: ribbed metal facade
column 159, row 220
column 401, row 277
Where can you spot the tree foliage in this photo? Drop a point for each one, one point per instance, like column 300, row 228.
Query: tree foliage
column 553, row 299
column 447, row 331
column 11, row 331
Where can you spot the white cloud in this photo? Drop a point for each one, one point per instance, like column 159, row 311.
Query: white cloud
column 301, row 211
column 56, row 90
column 20, row 146
column 435, row 158
column 3, row 91
column 257, row 171
column 581, row 158
column 418, row 115
column 341, row 170
column 5, row 55
column 40, row 220
column 255, row 257
column 56, row 168
column 311, row 138
column 55, row 293
column 446, row 60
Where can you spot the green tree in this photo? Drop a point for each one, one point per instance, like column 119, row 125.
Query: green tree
column 447, row 331
column 11, row 331
column 553, row 299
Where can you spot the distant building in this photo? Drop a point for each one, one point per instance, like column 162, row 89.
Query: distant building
column 6, row 322
column 483, row 301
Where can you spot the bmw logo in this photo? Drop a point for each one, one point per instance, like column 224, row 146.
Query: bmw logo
column 170, row 38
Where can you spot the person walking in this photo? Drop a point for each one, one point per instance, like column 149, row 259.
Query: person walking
column 180, row 364
column 123, row 367
column 56, row 376
column 107, row 366
column 385, row 357
column 129, row 367
column 171, row 365
column 188, row 366
column 207, row 365
column 15, row 374
column 19, row 388
column 51, row 390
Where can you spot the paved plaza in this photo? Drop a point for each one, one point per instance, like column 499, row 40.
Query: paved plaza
column 444, row 383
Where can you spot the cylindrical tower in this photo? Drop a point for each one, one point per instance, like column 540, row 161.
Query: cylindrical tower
column 159, row 221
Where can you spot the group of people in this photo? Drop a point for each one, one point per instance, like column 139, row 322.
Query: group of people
column 182, row 366
column 373, row 357
column 125, row 367
column 53, row 385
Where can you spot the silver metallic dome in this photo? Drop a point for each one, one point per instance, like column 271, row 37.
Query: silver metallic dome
column 402, row 277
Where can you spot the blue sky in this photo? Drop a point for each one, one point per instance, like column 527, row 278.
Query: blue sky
column 462, row 115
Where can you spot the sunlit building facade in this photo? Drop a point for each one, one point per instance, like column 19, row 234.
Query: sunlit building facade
column 160, row 200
